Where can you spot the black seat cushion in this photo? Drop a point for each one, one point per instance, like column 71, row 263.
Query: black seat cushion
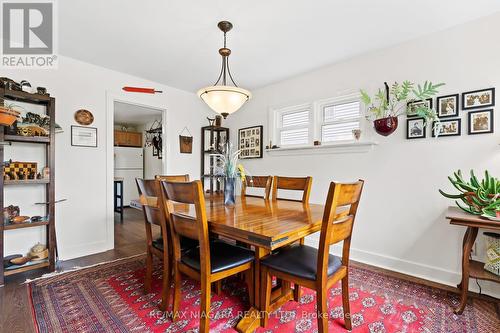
column 222, row 256
column 186, row 243
column 300, row 260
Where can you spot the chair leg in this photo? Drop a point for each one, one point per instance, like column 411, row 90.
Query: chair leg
column 265, row 295
column 205, row 305
column 177, row 294
column 345, row 303
column 322, row 309
column 149, row 271
column 218, row 287
column 296, row 293
column 165, row 290
column 250, row 285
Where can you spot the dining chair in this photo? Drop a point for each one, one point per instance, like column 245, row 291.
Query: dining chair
column 257, row 182
column 173, row 178
column 292, row 183
column 213, row 260
column 313, row 268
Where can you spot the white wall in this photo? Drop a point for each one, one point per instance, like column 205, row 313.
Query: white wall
column 81, row 172
column 401, row 222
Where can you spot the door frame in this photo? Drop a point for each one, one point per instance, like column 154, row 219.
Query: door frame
column 134, row 99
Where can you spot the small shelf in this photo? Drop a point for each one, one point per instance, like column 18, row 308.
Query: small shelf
column 11, row 226
column 23, row 96
column 26, row 267
column 29, row 139
column 26, row 182
column 477, row 271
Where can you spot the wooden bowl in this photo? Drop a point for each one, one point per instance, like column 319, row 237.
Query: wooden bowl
column 8, row 116
column 20, row 260
column 20, row 219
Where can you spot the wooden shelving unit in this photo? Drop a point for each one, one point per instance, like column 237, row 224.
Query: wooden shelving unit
column 49, row 146
column 211, row 139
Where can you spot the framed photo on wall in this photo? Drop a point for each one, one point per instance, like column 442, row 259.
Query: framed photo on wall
column 415, row 128
column 451, row 127
column 83, row 136
column 481, row 121
column 478, row 99
column 447, row 106
column 412, row 106
column 250, row 142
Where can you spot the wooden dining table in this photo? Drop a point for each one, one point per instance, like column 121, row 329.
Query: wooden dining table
column 265, row 225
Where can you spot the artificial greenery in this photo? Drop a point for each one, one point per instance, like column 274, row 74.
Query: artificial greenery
column 479, row 197
column 226, row 163
column 396, row 103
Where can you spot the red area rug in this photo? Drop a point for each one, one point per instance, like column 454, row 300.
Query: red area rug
column 111, row 298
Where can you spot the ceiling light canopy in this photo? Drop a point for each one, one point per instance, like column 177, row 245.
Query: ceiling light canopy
column 223, row 98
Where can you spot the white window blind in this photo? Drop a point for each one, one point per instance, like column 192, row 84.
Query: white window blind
column 339, row 120
column 294, row 126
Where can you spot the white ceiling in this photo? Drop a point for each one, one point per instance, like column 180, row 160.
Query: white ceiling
column 129, row 114
column 176, row 42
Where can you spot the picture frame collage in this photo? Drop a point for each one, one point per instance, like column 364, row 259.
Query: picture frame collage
column 250, row 142
column 480, row 117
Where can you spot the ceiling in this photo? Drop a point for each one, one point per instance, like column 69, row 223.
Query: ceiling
column 176, row 42
column 129, row 114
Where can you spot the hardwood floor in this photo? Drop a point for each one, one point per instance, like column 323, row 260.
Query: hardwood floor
column 15, row 310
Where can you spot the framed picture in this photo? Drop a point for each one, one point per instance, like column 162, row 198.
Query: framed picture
column 481, row 122
column 415, row 128
column 447, row 106
column 83, row 136
column 412, row 106
column 451, row 127
column 250, row 142
column 478, row 99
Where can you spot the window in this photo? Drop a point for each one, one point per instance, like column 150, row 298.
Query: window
column 294, row 125
column 339, row 120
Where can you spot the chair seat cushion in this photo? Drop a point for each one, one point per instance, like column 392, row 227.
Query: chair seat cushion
column 186, row 243
column 223, row 256
column 300, row 261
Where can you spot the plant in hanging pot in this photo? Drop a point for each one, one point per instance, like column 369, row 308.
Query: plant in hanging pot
column 8, row 114
column 227, row 167
column 387, row 105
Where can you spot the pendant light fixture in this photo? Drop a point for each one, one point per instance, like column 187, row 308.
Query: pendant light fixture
column 221, row 97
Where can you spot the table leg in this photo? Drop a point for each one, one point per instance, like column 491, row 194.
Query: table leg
column 468, row 242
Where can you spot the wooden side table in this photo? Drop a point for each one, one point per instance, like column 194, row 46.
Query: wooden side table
column 470, row 268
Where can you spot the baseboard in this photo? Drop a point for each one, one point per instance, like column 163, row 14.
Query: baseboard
column 426, row 272
column 83, row 250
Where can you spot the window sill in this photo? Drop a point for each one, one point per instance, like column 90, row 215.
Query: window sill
column 334, row 148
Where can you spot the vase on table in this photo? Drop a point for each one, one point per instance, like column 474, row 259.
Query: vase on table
column 229, row 191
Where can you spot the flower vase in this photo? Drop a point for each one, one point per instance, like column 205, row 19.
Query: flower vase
column 229, row 191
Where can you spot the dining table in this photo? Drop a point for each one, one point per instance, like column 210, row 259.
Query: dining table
column 264, row 225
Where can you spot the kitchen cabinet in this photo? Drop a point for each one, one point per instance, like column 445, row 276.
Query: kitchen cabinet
column 128, row 139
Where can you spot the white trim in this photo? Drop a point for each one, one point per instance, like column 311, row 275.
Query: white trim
column 134, row 99
column 331, row 148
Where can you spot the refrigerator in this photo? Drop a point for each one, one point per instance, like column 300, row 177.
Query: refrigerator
column 129, row 165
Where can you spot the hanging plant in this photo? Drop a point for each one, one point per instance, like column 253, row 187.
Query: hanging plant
column 388, row 104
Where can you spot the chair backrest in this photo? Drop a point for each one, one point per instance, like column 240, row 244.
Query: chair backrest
column 181, row 224
column 259, row 182
column 337, row 226
column 173, row 178
column 292, row 183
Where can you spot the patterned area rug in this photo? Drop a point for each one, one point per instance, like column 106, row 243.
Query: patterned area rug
column 111, row 298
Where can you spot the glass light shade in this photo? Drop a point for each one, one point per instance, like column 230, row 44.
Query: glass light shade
column 224, row 99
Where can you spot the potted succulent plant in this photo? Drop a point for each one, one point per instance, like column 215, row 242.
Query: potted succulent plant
column 227, row 166
column 478, row 197
column 388, row 104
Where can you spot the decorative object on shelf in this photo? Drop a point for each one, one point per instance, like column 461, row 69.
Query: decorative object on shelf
column 41, row 90
column 8, row 114
column 317, row 143
column 83, row 136
column 227, row 166
column 481, row 122
column 16, row 170
column 142, row 90
column 211, row 121
column 222, row 98
column 492, row 242
column 250, row 142
column 32, row 124
column 7, row 83
column 7, row 259
column 449, row 127
column 20, row 219
column 185, row 141
column 46, row 173
column 84, row 117
column 356, row 133
column 39, row 252
column 218, row 121
column 26, row 86
column 10, row 212
column 478, row 99
column 479, row 196
column 400, row 99
column 20, row 261
column 415, row 128
column 447, row 106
